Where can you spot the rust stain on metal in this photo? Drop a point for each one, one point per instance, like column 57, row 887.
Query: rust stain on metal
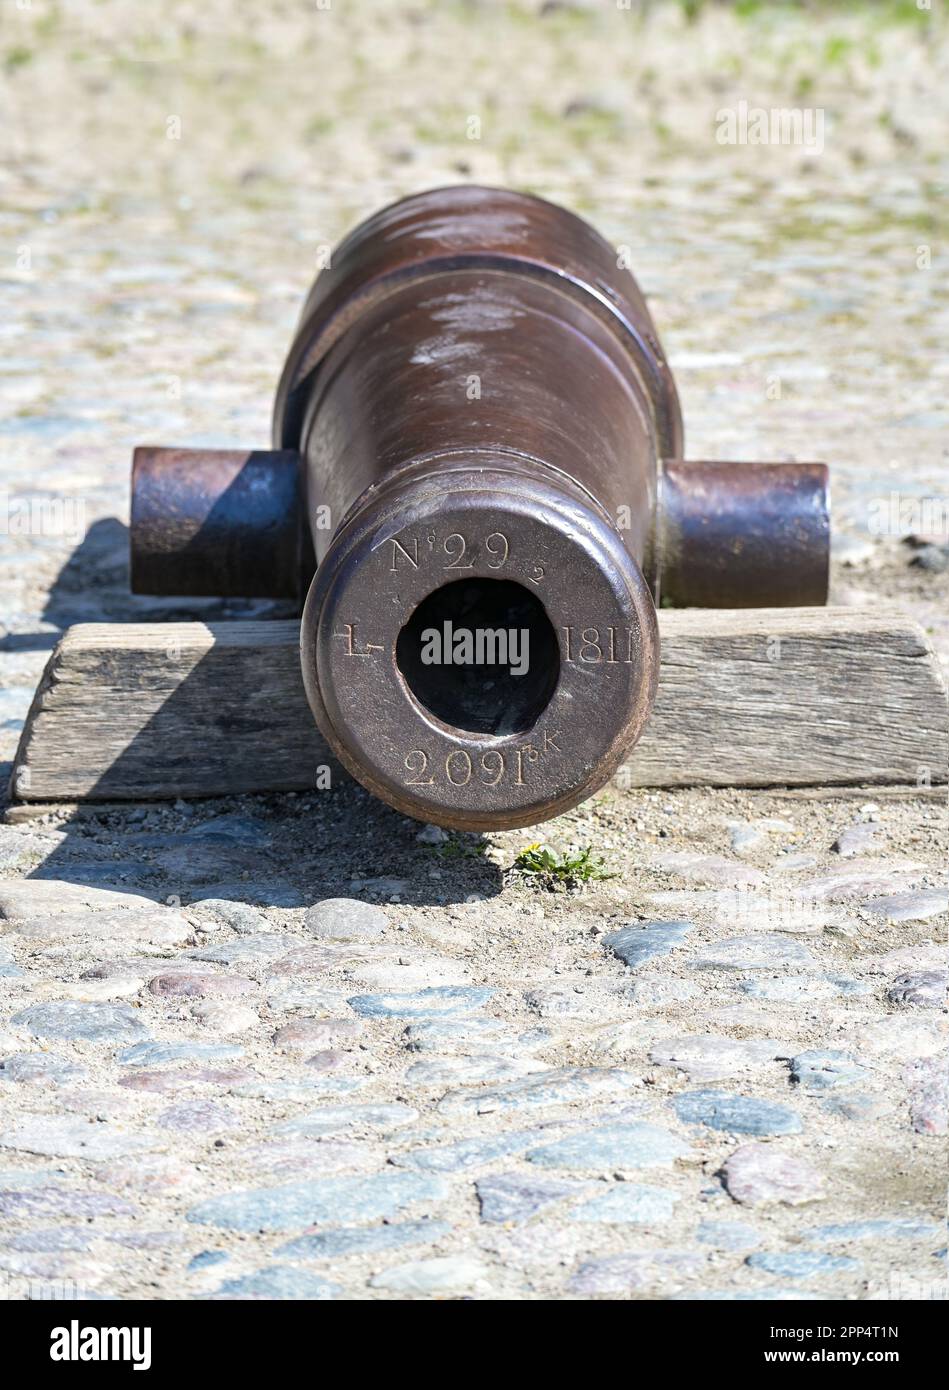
column 476, row 432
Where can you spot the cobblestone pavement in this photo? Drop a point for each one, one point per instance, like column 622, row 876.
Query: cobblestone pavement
column 299, row 1046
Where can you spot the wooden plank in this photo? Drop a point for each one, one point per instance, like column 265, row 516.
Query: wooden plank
column 795, row 697
column 748, row 697
column 141, row 711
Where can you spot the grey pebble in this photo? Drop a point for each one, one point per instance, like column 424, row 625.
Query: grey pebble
column 609, row 1148
column 552, row 1087
column 763, row 951
column 240, row 917
column 744, row 838
column 909, row 907
column 280, row 1281
column 345, row 919
column 629, row 1203
column 793, row 989
column 515, row 1197
column 434, row 1001
column 69, row 1137
column 644, row 941
column 857, row 839
column 885, row 1228
column 74, row 1021
column 922, row 989
column 454, row 1034
column 822, row 1069
column 381, row 886
column 728, row 1235
column 56, row 1238
column 363, row 1240
column 432, row 835
column 266, row 946
column 344, row 1119
column 467, row 1153
column 232, row 825
column 736, row 1114
column 321, row 1202
column 40, row 1066
column 61, row 1201
column 452, row 1071
column 459, row 1274
column 273, row 892
column 853, row 1105
column 630, row 1272
column 709, row 1058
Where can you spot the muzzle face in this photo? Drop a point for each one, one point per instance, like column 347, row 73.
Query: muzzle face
column 478, row 656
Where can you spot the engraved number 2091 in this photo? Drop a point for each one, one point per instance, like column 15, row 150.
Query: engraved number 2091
column 459, row 767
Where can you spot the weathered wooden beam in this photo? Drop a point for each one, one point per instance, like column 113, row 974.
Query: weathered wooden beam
column 747, row 697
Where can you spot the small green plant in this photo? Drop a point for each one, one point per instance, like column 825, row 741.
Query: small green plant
column 568, row 869
column 17, row 58
column 457, row 847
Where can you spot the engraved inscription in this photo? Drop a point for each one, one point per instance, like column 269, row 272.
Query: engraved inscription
column 491, row 768
column 456, row 552
column 458, row 767
column 595, row 646
column 492, row 765
column 353, row 645
column 416, row 763
column 411, row 555
column 498, row 548
column 456, row 548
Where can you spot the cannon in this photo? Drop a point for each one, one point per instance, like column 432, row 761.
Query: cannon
column 477, row 491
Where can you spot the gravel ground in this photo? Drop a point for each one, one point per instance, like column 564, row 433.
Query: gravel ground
column 719, row 1073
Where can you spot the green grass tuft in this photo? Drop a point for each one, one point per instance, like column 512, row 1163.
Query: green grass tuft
column 568, row 869
column 462, row 847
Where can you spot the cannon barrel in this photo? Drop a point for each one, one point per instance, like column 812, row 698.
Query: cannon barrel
column 477, row 481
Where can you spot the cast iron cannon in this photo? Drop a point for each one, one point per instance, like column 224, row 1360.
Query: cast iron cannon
column 477, row 483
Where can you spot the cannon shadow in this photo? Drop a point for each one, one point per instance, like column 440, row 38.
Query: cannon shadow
column 276, row 849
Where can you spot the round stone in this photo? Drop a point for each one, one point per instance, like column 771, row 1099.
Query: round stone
column 345, row 919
